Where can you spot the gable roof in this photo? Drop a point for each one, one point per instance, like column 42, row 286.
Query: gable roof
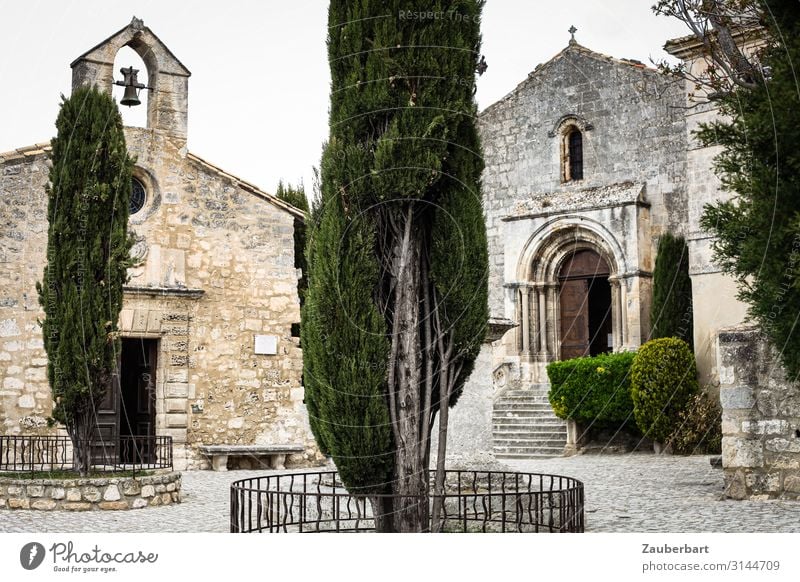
column 573, row 48
column 247, row 186
column 40, row 149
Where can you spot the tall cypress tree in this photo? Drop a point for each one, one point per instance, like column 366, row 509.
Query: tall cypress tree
column 671, row 310
column 87, row 259
column 396, row 308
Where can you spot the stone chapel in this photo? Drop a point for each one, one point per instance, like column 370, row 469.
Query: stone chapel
column 588, row 162
column 210, row 353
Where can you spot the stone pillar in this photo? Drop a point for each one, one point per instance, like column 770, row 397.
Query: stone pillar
column 760, row 408
column 552, row 318
column 526, row 320
column 543, row 351
column 615, row 313
column 623, row 314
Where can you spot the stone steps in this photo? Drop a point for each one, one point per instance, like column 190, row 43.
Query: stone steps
column 525, row 427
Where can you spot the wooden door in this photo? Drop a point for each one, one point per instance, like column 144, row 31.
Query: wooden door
column 106, row 434
column 574, row 318
column 138, row 398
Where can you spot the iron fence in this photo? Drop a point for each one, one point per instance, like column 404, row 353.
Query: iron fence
column 474, row 501
column 32, row 454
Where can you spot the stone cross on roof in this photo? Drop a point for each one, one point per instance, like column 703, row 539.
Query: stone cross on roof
column 572, row 30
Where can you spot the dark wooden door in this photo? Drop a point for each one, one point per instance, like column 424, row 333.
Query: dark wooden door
column 138, row 382
column 574, row 318
column 105, row 438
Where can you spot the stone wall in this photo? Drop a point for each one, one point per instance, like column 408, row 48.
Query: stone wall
column 87, row 494
column 760, row 419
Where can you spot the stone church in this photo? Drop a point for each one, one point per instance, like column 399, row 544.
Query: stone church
column 588, row 162
column 210, row 353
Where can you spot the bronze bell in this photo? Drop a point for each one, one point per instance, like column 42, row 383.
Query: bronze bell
column 132, row 87
column 130, row 98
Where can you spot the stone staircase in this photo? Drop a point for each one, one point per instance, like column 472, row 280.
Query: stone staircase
column 524, row 425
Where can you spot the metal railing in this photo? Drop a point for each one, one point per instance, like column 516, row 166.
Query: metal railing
column 44, row 454
column 474, row 501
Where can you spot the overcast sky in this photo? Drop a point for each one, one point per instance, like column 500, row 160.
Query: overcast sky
column 258, row 95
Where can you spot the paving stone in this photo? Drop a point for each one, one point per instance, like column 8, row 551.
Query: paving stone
column 624, row 493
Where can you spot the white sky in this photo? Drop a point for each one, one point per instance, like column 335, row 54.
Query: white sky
column 258, row 95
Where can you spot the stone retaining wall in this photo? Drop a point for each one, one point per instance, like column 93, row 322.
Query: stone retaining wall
column 760, row 419
column 106, row 493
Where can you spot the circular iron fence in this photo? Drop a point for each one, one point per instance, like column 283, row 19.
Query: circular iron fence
column 474, row 501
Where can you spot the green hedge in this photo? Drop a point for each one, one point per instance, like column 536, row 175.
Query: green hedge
column 592, row 390
column 663, row 379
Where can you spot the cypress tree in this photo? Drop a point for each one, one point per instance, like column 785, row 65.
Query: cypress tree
column 296, row 196
column 671, row 310
column 87, row 259
column 396, row 308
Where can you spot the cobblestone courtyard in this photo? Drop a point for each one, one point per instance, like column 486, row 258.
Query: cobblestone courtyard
column 624, row 493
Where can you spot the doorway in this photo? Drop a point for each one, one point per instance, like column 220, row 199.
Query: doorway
column 585, row 303
column 126, row 416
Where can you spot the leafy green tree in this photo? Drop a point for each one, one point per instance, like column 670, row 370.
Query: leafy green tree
column 296, row 196
column 396, row 308
column 757, row 232
column 671, row 310
column 87, row 259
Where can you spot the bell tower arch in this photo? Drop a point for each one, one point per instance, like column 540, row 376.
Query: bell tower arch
column 168, row 78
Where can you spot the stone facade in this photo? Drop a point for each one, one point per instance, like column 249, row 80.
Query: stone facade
column 760, row 419
column 216, row 271
column 88, row 494
column 633, row 189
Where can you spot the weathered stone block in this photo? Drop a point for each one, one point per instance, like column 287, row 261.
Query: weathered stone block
column 783, row 445
column 43, row 504
column 57, row 493
column 112, row 493
column 765, row 427
column 131, row 487
column 737, row 397
column 138, row 503
column 166, row 498
column 113, row 505
column 739, row 452
column 791, row 483
column 19, row 503
column 763, row 482
column 91, row 493
column 35, row 490
column 77, row 506
column 148, row 491
column 73, row 494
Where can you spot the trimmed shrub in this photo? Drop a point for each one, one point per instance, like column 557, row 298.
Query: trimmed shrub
column 700, row 428
column 663, row 379
column 592, row 390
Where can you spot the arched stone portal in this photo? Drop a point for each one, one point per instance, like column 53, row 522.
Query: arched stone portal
column 572, row 294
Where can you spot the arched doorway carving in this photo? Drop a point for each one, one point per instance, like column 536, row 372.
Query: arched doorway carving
column 563, row 250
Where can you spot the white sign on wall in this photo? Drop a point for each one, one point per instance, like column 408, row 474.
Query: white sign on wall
column 267, row 344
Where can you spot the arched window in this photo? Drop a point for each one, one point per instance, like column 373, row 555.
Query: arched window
column 572, row 155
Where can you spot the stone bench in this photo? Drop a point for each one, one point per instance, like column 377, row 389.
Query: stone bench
column 219, row 453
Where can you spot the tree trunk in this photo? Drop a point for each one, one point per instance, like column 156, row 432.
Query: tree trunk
column 411, row 475
column 80, row 432
column 383, row 512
